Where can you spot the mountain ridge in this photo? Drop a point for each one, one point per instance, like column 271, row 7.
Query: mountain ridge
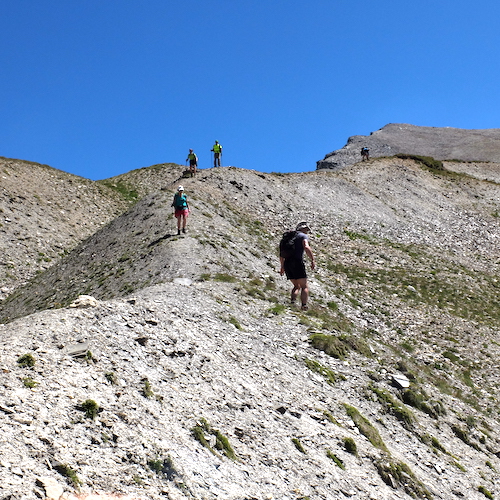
column 441, row 143
column 209, row 384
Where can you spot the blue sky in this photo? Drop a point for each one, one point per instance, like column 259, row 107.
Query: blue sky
column 98, row 88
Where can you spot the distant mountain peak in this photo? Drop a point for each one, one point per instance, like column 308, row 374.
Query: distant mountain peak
column 442, row 143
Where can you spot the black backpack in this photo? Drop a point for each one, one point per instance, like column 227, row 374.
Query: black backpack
column 287, row 244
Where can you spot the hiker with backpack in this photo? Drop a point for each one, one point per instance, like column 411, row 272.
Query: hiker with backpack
column 181, row 208
column 217, row 150
column 365, row 153
column 193, row 162
column 292, row 248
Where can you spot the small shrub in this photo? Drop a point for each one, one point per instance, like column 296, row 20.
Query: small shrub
column 235, row 322
column 221, row 442
column 147, row 390
column 277, row 309
column 485, row 492
column 336, row 459
column 26, row 361
column 298, row 445
column 91, row 408
column 29, row 383
column 350, row 446
column 365, row 427
column 399, row 474
column 69, row 473
column 111, row 378
column 329, row 344
column 330, row 376
column 402, row 413
column 163, row 466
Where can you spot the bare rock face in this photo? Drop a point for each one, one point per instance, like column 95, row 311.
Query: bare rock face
column 441, row 143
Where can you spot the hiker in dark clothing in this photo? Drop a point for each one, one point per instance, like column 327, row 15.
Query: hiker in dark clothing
column 365, row 153
column 294, row 267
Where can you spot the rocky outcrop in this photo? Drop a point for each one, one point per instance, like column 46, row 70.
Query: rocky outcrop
column 441, row 143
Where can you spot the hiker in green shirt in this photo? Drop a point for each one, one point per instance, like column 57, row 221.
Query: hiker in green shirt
column 217, row 150
column 193, row 162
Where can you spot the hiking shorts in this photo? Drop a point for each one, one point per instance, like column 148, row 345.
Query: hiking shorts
column 295, row 269
column 193, row 163
column 181, row 212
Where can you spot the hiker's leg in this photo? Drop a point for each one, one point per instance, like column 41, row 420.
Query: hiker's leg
column 304, row 290
column 295, row 291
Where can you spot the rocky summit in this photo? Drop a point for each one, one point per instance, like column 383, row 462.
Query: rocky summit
column 441, row 143
column 139, row 364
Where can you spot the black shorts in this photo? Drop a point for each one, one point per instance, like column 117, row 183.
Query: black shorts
column 295, row 269
column 192, row 163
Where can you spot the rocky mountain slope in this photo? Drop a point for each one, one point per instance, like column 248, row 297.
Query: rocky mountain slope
column 189, row 375
column 44, row 213
column 441, row 143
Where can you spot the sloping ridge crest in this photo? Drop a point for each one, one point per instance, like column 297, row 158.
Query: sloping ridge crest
column 442, row 143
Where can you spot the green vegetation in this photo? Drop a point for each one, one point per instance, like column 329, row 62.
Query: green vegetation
column 426, row 161
column 224, row 278
column 111, row 377
column 350, row 446
column 394, row 407
column 456, row 290
column 163, row 466
column 485, row 492
column 26, row 361
column 419, row 399
column 330, row 376
column 336, row 459
column 398, row 474
column 234, row 321
column 91, row 408
column 126, row 191
column 147, row 389
column 69, row 473
column 339, row 346
column 29, row 383
column 298, row 445
column 365, row 427
column 222, row 444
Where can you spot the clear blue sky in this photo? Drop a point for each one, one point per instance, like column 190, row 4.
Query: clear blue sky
column 101, row 87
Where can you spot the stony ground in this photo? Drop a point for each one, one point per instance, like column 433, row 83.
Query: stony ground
column 192, row 352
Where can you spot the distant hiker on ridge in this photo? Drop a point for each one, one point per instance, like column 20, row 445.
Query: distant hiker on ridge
column 193, row 162
column 181, row 208
column 217, row 150
column 365, row 153
column 292, row 248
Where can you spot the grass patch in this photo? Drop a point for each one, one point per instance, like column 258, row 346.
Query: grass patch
column 299, row 445
column 394, row 407
column 91, row 408
column 365, row 427
column 202, row 428
column 350, row 446
column 336, row 459
column 330, row 376
column 68, row 473
column 224, row 278
column 398, row 474
column 339, row 346
column 426, row 161
column 26, row 361
column 29, row 383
